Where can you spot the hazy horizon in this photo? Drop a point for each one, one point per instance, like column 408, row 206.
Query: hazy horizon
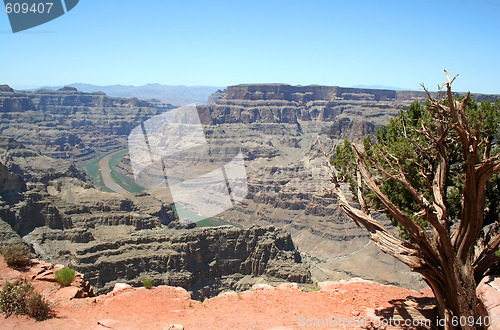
column 360, row 86
column 196, row 43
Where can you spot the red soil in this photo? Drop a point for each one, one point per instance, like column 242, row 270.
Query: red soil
column 284, row 307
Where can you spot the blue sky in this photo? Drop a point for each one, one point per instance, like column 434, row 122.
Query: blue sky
column 219, row 43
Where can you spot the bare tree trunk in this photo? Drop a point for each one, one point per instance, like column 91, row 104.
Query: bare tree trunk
column 455, row 294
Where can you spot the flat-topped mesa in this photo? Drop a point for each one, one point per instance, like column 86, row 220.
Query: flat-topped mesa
column 71, row 97
column 304, row 94
column 282, row 103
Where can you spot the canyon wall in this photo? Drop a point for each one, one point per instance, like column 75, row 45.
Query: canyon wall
column 70, row 124
column 56, row 208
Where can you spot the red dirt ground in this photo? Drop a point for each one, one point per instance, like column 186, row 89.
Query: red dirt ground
column 284, row 307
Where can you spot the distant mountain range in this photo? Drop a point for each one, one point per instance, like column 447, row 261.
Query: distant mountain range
column 176, row 95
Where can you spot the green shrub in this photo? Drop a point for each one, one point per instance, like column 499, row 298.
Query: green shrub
column 64, row 276
column 147, row 282
column 16, row 254
column 13, row 298
column 38, row 307
column 21, row 298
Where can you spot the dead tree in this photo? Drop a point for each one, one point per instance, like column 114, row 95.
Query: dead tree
column 450, row 261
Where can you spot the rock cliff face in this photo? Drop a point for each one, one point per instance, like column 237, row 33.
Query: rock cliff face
column 111, row 237
column 70, row 124
column 10, row 183
column 39, row 191
column 286, row 104
column 291, row 104
column 204, row 261
column 277, row 126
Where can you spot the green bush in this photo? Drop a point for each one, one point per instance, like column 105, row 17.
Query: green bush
column 16, row 254
column 147, row 282
column 65, row 276
column 38, row 307
column 21, row 298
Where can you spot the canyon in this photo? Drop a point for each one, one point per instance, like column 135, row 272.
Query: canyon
column 50, row 201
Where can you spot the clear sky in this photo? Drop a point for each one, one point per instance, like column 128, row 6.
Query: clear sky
column 392, row 43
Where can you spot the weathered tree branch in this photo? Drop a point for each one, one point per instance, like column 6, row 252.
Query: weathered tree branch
column 449, row 264
column 387, row 242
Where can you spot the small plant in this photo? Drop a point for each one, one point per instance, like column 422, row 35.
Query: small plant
column 38, row 307
column 21, row 298
column 16, row 255
column 314, row 288
column 65, row 276
column 147, row 282
column 239, row 295
column 13, row 298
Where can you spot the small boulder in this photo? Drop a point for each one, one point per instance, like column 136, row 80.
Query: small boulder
column 120, row 287
column 67, row 293
column 58, row 267
column 47, row 275
column 488, row 292
column 262, row 286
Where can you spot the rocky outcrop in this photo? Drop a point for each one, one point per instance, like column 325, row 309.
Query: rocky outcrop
column 488, row 292
column 306, row 96
column 10, row 183
column 6, row 88
column 265, row 306
column 204, row 261
column 33, row 166
column 7, row 235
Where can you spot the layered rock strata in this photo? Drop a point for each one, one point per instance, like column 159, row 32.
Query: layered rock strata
column 70, row 124
column 204, row 261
